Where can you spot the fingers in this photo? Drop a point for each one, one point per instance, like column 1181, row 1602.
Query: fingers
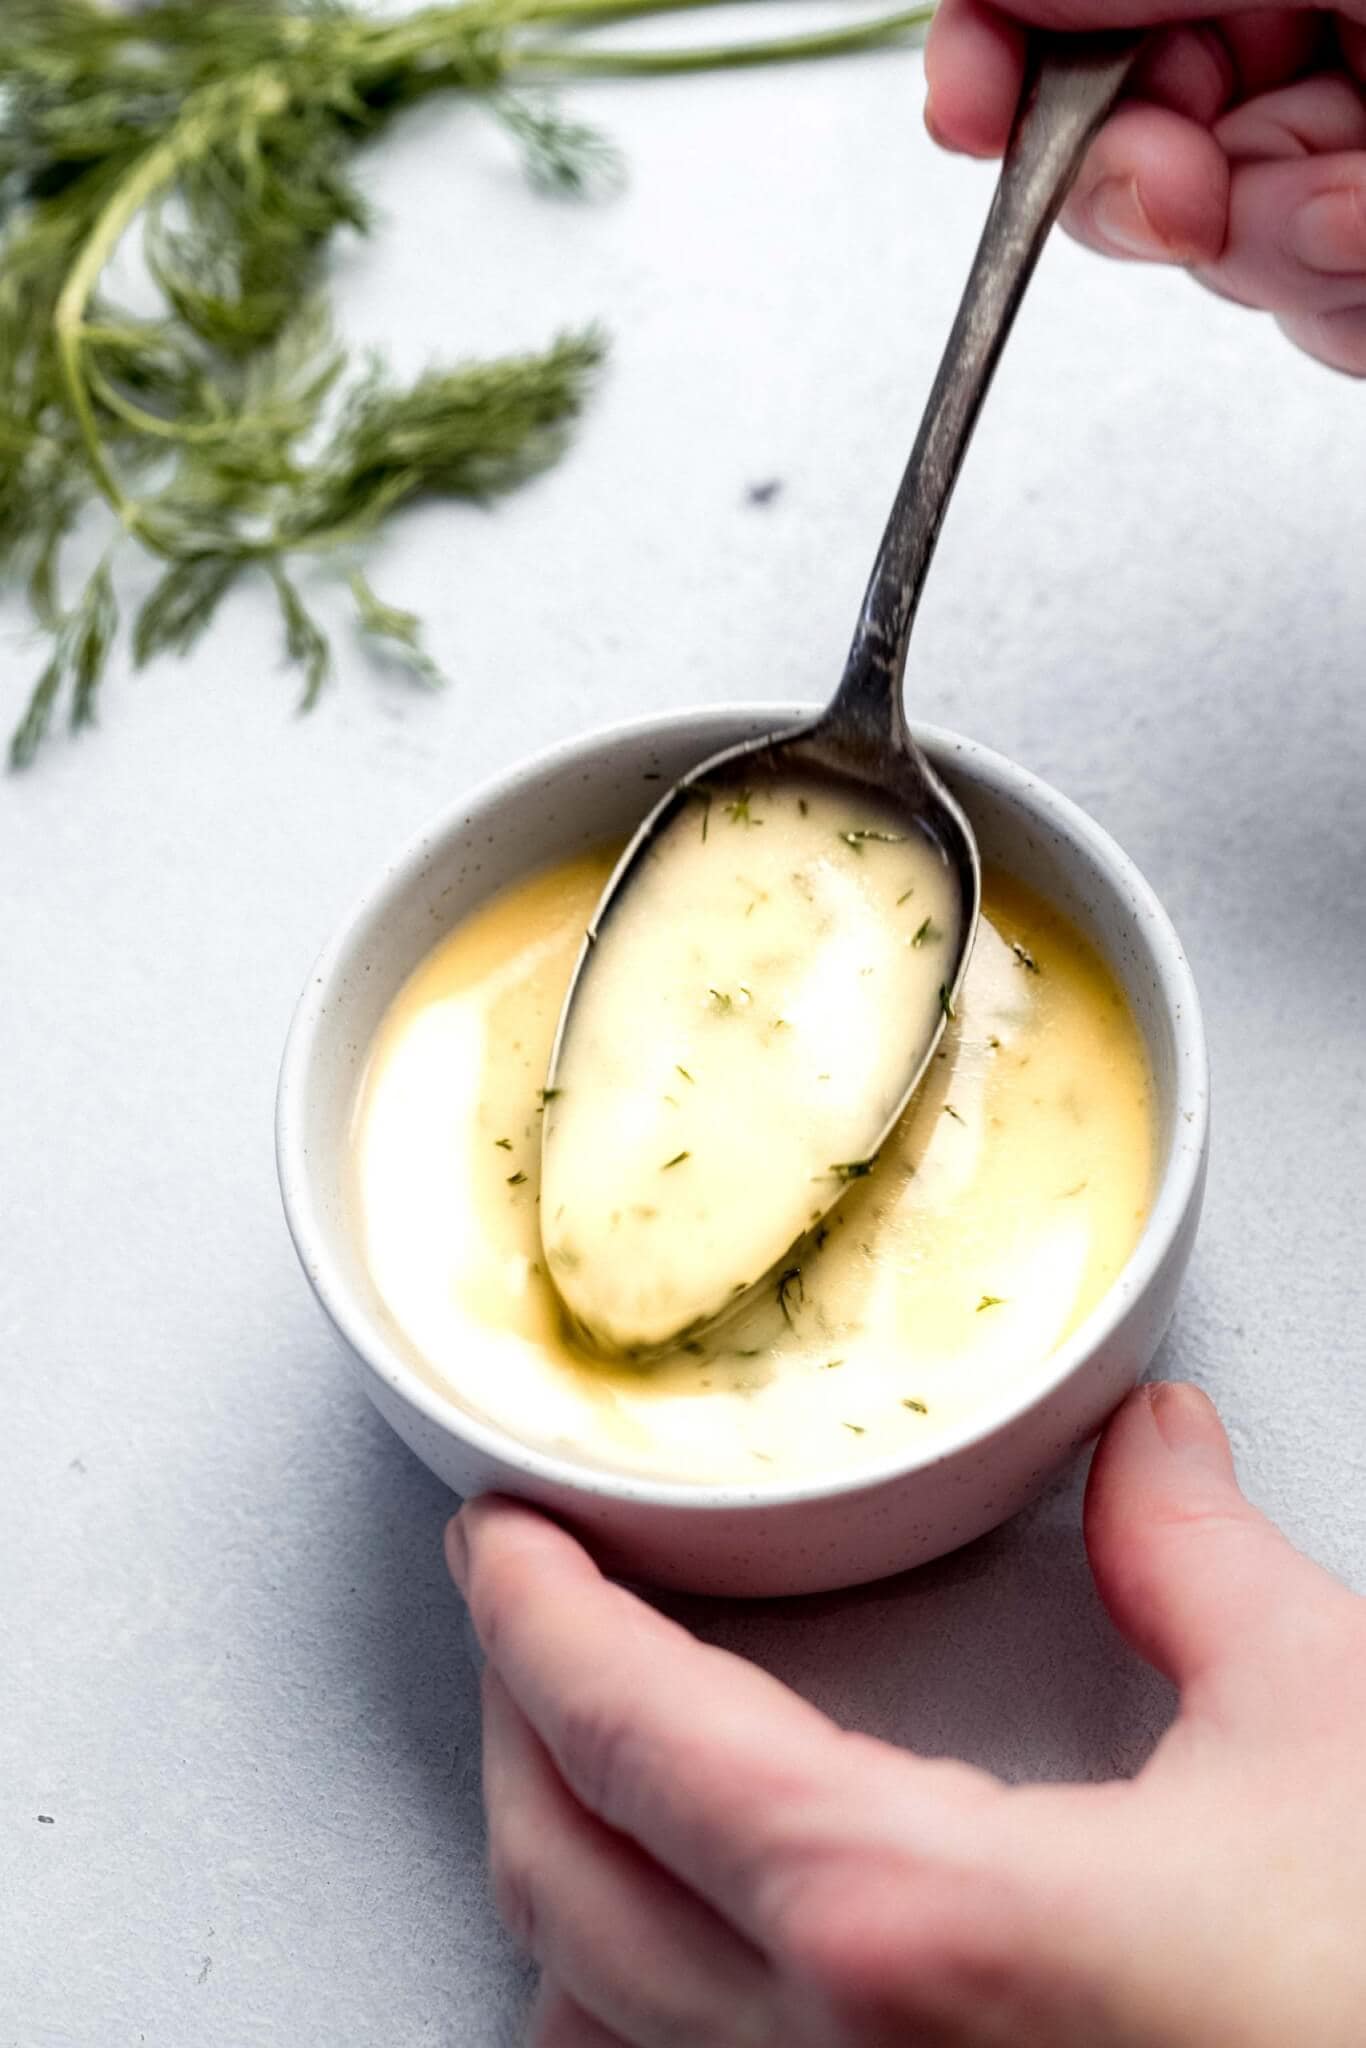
column 1314, row 117
column 1296, row 247
column 556, row 2022
column 700, row 1758
column 1155, row 185
column 975, row 60
column 974, row 67
column 621, row 1939
column 1337, row 339
column 719, row 1773
column 1201, row 1584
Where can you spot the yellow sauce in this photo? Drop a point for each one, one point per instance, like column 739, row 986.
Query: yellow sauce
column 997, row 1216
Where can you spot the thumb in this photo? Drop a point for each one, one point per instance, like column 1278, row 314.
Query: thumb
column 1193, row 1575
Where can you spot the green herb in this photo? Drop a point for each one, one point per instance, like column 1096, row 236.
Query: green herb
column 859, row 839
column 790, row 1286
column 698, row 793
column 738, row 811
column 949, row 1110
column 855, row 1428
column 945, row 1000
column 224, row 431
column 546, row 1095
column 1025, row 957
column 1068, row 1193
column 503, row 1144
column 904, row 897
column 677, row 1160
column 686, row 1075
column 515, row 1179
column 994, row 1042
column 802, row 805
column 831, row 1363
column 916, row 1407
column 990, row 1301
column 927, row 932
column 720, row 1001
column 853, row 1169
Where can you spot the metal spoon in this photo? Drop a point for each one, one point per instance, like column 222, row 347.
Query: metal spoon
column 862, row 739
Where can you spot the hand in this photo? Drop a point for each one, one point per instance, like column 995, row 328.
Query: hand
column 1239, row 150
column 699, row 1859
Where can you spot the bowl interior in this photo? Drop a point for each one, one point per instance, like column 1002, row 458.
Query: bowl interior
column 597, row 789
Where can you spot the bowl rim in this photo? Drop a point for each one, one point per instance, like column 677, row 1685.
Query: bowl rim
column 1177, row 1190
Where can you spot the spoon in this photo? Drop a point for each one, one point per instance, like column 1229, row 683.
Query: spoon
column 647, row 1259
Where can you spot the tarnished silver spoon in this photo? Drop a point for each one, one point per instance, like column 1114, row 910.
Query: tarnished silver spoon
column 648, row 1247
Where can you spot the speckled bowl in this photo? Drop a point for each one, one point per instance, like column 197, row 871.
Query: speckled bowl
column 732, row 1539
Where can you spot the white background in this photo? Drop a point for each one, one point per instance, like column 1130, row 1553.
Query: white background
column 230, row 1668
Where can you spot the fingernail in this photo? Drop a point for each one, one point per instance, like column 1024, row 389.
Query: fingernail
column 1118, row 217
column 1188, row 1423
column 1329, row 233
column 457, row 1552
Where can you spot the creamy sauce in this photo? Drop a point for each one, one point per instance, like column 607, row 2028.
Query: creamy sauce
column 999, row 1213
column 744, row 1030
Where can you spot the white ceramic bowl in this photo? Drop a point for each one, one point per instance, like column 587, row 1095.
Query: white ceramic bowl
column 731, row 1539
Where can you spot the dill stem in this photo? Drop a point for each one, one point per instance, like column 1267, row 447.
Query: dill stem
column 868, row 35
column 156, row 168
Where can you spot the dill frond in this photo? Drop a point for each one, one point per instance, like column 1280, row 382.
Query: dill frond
column 229, row 434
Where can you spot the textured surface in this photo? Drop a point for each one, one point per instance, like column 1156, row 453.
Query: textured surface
column 230, row 1670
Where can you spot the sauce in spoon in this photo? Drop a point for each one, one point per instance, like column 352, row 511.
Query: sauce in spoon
column 757, row 997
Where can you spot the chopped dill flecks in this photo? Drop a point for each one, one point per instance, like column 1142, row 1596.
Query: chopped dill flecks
column 790, row 1284
column 946, row 1000
column 684, row 1072
column 990, row 1301
column 855, row 1428
column 904, row 897
column 916, row 1407
column 926, row 934
column 1025, row 957
column 949, row 1110
column 831, row 1363
column 718, row 1000
column 515, row 1179
column 994, row 1042
column 853, row 1169
column 545, row 1095
column 700, row 794
column 738, row 811
column 677, row 1160
column 858, row 839
column 503, row 1144
column 802, row 805
column 1068, row 1193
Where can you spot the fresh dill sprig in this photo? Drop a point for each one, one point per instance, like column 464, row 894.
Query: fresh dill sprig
column 227, row 433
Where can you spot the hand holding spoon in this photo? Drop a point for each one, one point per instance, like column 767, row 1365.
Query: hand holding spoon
column 776, row 955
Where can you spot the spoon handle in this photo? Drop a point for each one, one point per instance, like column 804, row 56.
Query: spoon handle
column 1072, row 84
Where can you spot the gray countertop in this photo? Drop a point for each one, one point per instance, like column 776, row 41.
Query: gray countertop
column 231, row 1672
